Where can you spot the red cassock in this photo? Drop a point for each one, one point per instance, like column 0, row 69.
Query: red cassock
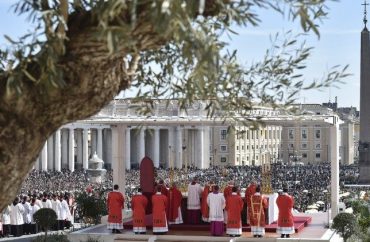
column 115, row 205
column 160, row 203
column 204, row 206
column 138, row 204
column 285, row 204
column 174, row 199
column 251, row 190
column 258, row 206
column 164, row 189
column 227, row 191
column 234, row 207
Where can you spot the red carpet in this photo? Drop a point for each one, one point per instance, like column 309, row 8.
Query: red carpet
column 299, row 223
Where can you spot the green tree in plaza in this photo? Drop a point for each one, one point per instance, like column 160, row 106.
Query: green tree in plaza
column 82, row 53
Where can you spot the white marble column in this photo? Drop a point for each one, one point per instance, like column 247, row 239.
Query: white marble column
column 200, row 148
column 50, row 148
column 334, row 160
column 141, row 144
column 93, row 136
column 128, row 149
column 85, row 147
column 71, row 149
column 58, row 151
column 156, row 147
column 79, row 148
column 178, row 149
column 100, row 143
column 206, row 151
column 44, row 157
column 171, row 148
column 119, row 156
column 64, row 154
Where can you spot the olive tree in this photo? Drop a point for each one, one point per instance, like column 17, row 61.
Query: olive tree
column 82, row 53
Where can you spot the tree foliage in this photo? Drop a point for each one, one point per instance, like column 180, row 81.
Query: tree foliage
column 82, row 53
column 91, row 208
column 45, row 218
column 345, row 225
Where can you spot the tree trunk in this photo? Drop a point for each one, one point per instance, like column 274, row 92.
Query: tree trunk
column 92, row 79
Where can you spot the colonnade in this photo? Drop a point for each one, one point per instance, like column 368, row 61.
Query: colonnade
column 71, row 147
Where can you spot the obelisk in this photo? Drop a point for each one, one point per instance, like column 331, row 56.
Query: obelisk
column 364, row 146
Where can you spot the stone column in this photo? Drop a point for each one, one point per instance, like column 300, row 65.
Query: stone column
column 206, row 151
column 200, row 148
column 100, row 143
column 178, row 149
column 156, row 147
column 85, row 147
column 334, row 160
column 119, row 156
column 79, row 149
column 171, row 148
column 141, row 144
column 50, row 148
column 64, row 135
column 58, row 151
column 71, row 148
column 44, row 157
column 93, row 135
column 128, row 149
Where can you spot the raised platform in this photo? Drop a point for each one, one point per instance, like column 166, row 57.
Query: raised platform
column 314, row 232
column 299, row 223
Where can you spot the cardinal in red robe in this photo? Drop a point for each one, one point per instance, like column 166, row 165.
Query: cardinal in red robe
column 227, row 193
column 258, row 219
column 138, row 205
column 204, row 206
column 251, row 190
column 234, row 207
column 115, row 203
column 159, row 203
column 174, row 205
column 285, row 204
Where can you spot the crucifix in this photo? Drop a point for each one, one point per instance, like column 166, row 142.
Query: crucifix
column 365, row 11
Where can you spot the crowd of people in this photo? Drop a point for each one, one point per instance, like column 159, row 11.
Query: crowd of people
column 298, row 179
column 306, row 183
column 18, row 218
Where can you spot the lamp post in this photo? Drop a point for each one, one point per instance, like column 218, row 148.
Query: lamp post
column 295, row 158
column 214, row 156
column 184, row 156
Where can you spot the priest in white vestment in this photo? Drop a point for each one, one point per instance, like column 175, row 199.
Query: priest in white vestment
column 216, row 202
column 194, row 195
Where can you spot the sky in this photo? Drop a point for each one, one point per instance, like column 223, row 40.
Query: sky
column 339, row 44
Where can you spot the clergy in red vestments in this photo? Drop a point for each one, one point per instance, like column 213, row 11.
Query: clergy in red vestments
column 257, row 219
column 115, row 203
column 138, row 205
column 251, row 190
column 160, row 203
column 204, row 206
column 234, row 207
column 163, row 187
column 285, row 204
column 227, row 193
column 174, row 205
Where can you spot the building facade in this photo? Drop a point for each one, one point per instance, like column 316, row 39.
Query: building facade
column 174, row 138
